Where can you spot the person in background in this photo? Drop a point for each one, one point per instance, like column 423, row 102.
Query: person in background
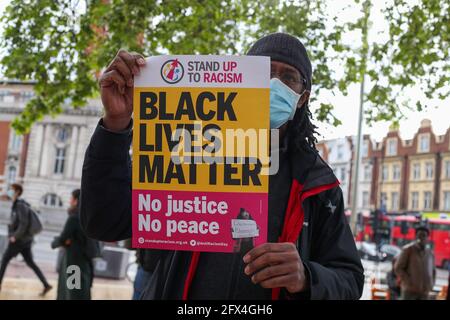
column 448, row 283
column 20, row 238
column 144, row 273
column 73, row 242
column 415, row 267
column 393, row 282
column 146, row 261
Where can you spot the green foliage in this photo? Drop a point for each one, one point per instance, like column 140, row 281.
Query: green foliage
column 64, row 44
column 416, row 53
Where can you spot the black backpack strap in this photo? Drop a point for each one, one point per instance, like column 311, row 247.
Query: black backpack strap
column 27, row 205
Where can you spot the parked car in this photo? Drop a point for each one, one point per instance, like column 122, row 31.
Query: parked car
column 368, row 251
column 389, row 252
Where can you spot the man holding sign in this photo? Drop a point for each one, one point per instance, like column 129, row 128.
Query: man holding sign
column 308, row 250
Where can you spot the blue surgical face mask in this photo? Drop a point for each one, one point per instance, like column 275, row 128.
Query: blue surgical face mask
column 10, row 193
column 283, row 103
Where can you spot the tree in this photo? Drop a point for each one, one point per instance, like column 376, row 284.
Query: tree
column 63, row 45
column 415, row 53
column 312, row 24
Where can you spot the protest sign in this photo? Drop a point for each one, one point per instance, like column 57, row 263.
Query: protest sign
column 200, row 145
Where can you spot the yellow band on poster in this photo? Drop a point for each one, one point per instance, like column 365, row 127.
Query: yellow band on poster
column 237, row 120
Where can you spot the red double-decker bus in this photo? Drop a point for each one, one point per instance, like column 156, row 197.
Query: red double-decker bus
column 401, row 231
column 439, row 236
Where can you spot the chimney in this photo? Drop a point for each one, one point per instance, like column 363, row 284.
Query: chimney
column 425, row 123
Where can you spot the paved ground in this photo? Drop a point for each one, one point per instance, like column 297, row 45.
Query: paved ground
column 21, row 283
column 30, row 288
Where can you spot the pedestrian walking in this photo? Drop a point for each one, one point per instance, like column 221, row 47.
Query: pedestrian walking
column 20, row 236
column 393, row 282
column 146, row 267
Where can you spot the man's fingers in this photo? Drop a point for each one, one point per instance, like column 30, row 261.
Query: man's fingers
column 120, row 65
column 277, row 282
column 268, row 259
column 130, row 60
column 274, row 271
column 268, row 247
column 129, row 97
column 113, row 77
column 139, row 59
column 127, row 64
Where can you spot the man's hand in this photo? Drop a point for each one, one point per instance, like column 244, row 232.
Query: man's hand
column 276, row 265
column 116, row 88
column 12, row 239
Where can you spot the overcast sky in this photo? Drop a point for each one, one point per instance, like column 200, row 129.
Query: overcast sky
column 346, row 108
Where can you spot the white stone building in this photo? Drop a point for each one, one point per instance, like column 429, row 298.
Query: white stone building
column 340, row 160
column 366, row 176
column 53, row 158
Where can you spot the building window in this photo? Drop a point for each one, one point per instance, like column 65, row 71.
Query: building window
column 340, row 152
column 342, row 174
column 394, row 201
column 416, row 171
column 384, row 173
column 396, row 173
column 447, row 200
column 383, row 200
column 62, row 134
column 447, row 169
column 16, row 142
column 391, row 147
column 4, row 94
column 424, row 143
column 414, row 200
column 52, row 200
column 365, row 199
column 365, row 148
column 367, row 173
column 12, row 171
column 427, row 200
column 26, row 95
column 429, row 170
column 60, row 159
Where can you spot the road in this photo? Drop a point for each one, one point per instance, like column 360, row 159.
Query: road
column 379, row 270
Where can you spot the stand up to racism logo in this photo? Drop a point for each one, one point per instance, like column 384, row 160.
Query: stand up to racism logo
column 172, row 71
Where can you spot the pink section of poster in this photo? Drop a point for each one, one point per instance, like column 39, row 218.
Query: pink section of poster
column 196, row 221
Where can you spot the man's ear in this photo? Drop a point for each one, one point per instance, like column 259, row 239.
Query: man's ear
column 303, row 99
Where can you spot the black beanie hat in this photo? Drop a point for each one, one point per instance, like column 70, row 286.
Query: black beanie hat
column 284, row 48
